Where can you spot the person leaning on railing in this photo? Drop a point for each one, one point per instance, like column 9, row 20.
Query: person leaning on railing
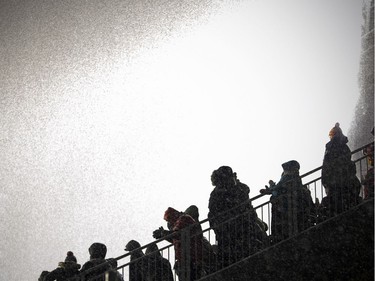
column 177, row 222
column 292, row 205
column 65, row 270
column 97, row 265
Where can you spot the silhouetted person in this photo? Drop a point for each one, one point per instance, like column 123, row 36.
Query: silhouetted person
column 138, row 265
column 97, row 253
column 292, row 205
column 209, row 257
column 43, row 274
column 232, row 217
column 368, row 181
column 65, row 270
column 188, row 263
column 339, row 173
column 158, row 268
column 114, row 274
column 260, row 230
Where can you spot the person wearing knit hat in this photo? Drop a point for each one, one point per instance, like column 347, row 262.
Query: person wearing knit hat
column 65, row 270
column 176, row 222
column 339, row 174
column 335, row 132
column 70, row 257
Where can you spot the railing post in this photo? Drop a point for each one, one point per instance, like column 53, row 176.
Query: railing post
column 185, row 262
column 110, row 276
column 292, row 212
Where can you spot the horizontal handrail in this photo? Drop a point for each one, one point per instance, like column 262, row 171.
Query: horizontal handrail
column 170, row 236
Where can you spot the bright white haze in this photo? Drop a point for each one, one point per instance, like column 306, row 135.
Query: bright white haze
column 112, row 111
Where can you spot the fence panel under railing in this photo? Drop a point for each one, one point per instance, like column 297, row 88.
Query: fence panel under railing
column 204, row 248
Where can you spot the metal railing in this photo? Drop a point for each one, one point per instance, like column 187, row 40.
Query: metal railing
column 244, row 228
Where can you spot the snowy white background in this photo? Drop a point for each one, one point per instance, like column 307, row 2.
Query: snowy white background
column 112, row 111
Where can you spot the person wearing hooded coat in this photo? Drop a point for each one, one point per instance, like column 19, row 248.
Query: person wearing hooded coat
column 232, row 218
column 190, row 264
column 209, row 257
column 65, row 270
column 97, row 253
column 339, row 174
column 158, row 268
column 292, row 206
column 138, row 261
column 42, row 275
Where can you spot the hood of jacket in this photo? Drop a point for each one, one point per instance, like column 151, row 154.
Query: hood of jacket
column 171, row 215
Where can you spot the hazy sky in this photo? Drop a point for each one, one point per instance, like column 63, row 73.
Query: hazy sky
column 112, row 111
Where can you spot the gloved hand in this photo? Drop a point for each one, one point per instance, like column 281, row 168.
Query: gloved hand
column 267, row 190
column 158, row 233
column 264, row 191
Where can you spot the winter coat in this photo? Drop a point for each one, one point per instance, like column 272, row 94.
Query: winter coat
column 179, row 221
column 234, row 221
column 96, row 263
column 138, row 267
column 227, row 202
column 338, row 170
column 65, row 271
column 195, row 239
column 158, row 268
column 292, row 207
column 368, row 184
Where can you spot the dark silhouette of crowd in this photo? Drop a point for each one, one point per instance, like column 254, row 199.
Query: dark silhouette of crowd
column 239, row 232
column 94, row 269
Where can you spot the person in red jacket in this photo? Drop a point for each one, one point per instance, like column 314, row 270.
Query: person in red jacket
column 187, row 240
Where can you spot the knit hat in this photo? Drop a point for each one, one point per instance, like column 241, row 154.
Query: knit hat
column 132, row 245
column 70, row 257
column 171, row 215
column 335, row 131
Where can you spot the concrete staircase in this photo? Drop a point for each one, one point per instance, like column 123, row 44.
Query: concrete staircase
column 341, row 248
